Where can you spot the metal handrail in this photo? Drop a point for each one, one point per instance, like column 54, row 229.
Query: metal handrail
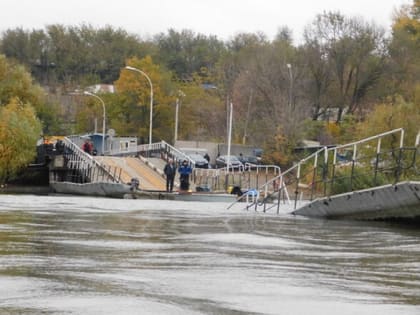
column 88, row 160
column 169, row 149
column 322, row 156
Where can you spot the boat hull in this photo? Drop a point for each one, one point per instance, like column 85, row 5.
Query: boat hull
column 102, row 189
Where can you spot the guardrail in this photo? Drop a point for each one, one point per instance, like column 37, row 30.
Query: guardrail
column 175, row 154
column 85, row 167
column 353, row 166
column 245, row 177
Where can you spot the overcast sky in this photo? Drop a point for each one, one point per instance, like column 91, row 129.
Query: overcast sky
column 223, row 18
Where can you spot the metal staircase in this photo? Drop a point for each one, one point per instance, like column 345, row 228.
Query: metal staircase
column 74, row 165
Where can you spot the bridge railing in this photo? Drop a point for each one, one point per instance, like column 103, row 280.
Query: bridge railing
column 246, row 177
column 84, row 168
column 367, row 163
column 170, row 152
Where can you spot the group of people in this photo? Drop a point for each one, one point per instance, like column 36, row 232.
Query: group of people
column 184, row 171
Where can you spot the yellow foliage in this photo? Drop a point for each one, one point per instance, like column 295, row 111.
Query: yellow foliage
column 333, row 129
column 19, row 131
column 387, row 117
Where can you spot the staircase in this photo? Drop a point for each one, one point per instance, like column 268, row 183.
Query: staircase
column 71, row 164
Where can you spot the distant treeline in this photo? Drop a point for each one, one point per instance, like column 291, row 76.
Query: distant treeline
column 344, row 68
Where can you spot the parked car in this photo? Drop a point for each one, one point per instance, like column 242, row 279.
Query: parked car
column 199, row 160
column 258, row 152
column 234, row 162
column 249, row 160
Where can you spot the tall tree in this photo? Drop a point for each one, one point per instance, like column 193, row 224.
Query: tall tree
column 19, row 131
column 404, row 72
column 136, row 90
column 186, row 53
column 73, row 55
column 355, row 51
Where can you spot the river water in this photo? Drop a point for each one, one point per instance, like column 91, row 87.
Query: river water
column 76, row 255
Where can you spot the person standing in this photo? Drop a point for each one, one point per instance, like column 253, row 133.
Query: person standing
column 87, row 147
column 207, row 157
column 170, row 171
column 184, row 172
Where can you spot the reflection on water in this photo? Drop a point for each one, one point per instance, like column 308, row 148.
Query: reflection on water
column 71, row 255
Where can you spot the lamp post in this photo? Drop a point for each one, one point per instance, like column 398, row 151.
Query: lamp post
column 103, row 121
column 177, row 104
column 229, row 135
column 176, row 120
column 289, row 67
column 151, row 100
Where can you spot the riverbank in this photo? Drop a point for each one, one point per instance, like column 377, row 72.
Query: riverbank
column 22, row 189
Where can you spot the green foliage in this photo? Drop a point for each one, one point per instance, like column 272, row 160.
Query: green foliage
column 69, row 55
column 391, row 116
column 201, row 114
column 186, row 53
column 274, row 86
column 404, row 66
column 346, row 59
column 16, row 82
column 19, row 131
column 346, row 180
column 136, row 95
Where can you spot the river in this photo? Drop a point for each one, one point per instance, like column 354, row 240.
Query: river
column 81, row 255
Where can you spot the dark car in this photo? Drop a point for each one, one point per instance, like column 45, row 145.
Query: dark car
column 249, row 160
column 199, row 160
column 234, row 162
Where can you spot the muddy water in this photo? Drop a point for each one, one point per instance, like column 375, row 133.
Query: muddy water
column 72, row 255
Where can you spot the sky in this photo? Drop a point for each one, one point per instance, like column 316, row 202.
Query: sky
column 223, row 18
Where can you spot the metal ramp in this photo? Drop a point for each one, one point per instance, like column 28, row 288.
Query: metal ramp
column 133, row 167
column 73, row 165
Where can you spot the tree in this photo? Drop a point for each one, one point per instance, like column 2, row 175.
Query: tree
column 134, row 108
column 267, row 95
column 355, row 51
column 201, row 114
column 70, row 55
column 186, row 53
column 404, row 68
column 319, row 75
column 19, row 131
column 388, row 116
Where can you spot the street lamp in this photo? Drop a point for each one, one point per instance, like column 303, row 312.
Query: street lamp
column 103, row 121
column 289, row 67
column 177, row 104
column 176, row 120
column 151, row 100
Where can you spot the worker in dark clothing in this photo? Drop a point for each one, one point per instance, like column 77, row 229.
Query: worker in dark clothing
column 170, row 171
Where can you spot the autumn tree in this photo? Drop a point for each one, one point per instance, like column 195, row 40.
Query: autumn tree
column 134, row 108
column 201, row 112
column 267, row 95
column 403, row 75
column 392, row 115
column 19, row 131
column 355, row 53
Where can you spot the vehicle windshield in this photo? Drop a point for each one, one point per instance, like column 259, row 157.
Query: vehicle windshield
column 233, row 158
